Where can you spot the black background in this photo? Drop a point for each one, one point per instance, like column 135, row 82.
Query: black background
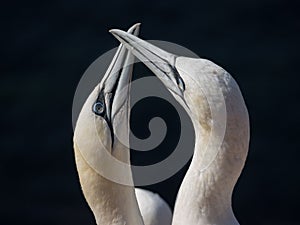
column 46, row 47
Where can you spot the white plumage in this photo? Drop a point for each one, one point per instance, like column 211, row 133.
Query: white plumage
column 104, row 115
column 154, row 210
column 215, row 104
column 216, row 107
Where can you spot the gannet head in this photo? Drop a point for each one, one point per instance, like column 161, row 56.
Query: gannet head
column 215, row 104
column 101, row 145
column 103, row 120
column 196, row 83
column 210, row 96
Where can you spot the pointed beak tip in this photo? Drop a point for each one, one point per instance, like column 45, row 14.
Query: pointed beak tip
column 135, row 26
column 112, row 31
column 116, row 32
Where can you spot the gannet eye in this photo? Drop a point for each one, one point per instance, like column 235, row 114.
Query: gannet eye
column 98, row 108
column 180, row 84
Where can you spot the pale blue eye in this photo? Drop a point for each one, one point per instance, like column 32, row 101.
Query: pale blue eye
column 98, row 108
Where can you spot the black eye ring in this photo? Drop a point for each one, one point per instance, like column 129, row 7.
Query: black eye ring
column 98, row 108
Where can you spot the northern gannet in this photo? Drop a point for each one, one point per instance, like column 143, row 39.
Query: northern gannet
column 102, row 123
column 199, row 85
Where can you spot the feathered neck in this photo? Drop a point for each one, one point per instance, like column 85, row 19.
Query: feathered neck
column 110, row 202
column 205, row 195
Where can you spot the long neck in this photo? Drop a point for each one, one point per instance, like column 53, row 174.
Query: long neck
column 111, row 203
column 204, row 197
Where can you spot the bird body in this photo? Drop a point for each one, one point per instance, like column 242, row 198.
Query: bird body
column 154, row 210
column 217, row 109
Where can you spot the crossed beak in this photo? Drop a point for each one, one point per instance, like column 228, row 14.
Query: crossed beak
column 160, row 62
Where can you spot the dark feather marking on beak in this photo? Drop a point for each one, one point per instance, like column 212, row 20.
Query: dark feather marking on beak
column 177, row 77
column 101, row 99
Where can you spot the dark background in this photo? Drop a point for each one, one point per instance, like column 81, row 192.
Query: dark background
column 46, row 47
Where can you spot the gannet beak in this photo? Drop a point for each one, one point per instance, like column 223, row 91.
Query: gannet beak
column 160, row 62
column 114, row 90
